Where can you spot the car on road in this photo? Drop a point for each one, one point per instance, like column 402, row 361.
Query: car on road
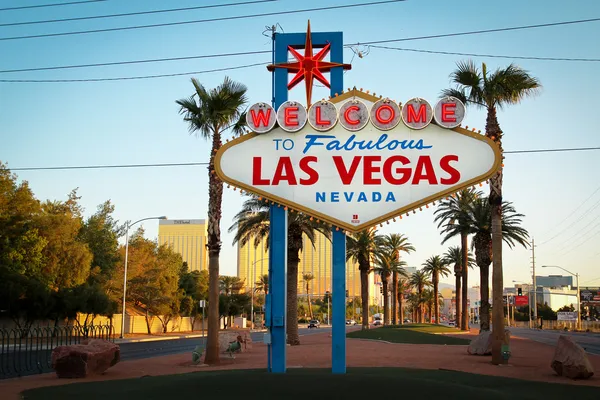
column 407, row 321
column 313, row 323
column 452, row 322
column 377, row 322
column 350, row 322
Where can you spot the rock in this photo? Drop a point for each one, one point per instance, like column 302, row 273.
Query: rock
column 225, row 338
column 481, row 345
column 91, row 357
column 570, row 360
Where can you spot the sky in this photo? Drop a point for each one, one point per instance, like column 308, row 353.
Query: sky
column 138, row 122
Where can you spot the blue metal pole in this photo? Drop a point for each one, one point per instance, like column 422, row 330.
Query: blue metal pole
column 338, row 337
column 278, row 237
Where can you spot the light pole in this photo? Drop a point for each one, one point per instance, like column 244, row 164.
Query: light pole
column 125, row 274
column 577, row 283
column 252, row 301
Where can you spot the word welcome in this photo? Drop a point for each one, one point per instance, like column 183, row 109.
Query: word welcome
column 354, row 115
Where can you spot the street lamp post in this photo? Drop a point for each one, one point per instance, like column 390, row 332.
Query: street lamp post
column 578, row 293
column 252, row 301
column 126, row 259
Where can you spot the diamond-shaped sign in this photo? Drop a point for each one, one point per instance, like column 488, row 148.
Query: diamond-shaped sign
column 356, row 179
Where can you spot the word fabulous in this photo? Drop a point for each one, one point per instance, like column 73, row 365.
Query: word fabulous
column 354, row 115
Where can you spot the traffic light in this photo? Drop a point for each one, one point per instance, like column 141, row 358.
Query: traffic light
column 381, row 289
column 347, row 293
column 520, row 291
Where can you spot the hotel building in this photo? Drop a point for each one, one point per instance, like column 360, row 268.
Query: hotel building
column 188, row 238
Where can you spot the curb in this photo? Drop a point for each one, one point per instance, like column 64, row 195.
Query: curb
column 157, row 338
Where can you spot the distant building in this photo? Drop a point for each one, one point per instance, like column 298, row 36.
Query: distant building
column 186, row 237
column 410, row 270
column 253, row 261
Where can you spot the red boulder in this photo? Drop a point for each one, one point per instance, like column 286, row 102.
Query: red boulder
column 93, row 356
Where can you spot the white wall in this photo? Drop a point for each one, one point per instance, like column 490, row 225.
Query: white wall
column 557, row 298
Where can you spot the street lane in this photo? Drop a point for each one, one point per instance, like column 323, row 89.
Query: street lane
column 589, row 341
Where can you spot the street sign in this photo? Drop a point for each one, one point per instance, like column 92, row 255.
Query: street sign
column 590, row 295
column 567, row 316
column 355, row 179
column 358, row 310
column 521, row 301
column 202, row 303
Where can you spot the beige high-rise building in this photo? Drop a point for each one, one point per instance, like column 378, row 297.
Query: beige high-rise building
column 253, row 261
column 188, row 238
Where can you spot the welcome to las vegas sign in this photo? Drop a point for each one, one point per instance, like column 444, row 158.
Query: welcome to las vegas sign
column 357, row 160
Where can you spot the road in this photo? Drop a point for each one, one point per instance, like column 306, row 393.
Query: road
column 35, row 362
column 589, row 341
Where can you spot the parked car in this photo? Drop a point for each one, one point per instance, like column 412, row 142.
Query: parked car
column 452, row 322
column 350, row 322
column 313, row 323
column 377, row 322
column 407, row 321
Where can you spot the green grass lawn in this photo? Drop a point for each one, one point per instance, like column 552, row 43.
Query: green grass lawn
column 358, row 383
column 411, row 333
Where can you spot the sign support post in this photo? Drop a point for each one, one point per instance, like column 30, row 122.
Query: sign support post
column 338, row 336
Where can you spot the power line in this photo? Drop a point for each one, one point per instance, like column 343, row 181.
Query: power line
column 127, row 78
column 237, row 17
column 581, row 244
column 551, row 150
column 50, row 5
column 266, row 51
column 514, row 28
column 136, row 13
column 573, row 212
column 487, row 55
column 107, row 166
column 243, row 53
column 586, row 212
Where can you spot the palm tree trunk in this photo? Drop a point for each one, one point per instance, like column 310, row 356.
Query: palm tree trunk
column 310, row 312
column 386, row 302
column 215, row 198
column 293, row 338
column 401, row 306
column 464, row 322
column 493, row 131
column 435, row 297
column 394, row 298
column 458, row 296
column 364, row 293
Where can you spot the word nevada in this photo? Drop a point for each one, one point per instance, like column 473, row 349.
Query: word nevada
column 354, row 115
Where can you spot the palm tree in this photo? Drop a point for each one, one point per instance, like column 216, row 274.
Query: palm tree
column 209, row 113
column 453, row 256
column 428, row 300
column 454, row 218
column 436, row 267
column 395, row 243
column 420, row 281
column 512, row 234
column 307, row 278
column 505, row 86
column 360, row 247
column 387, row 264
column 403, row 285
column 229, row 285
column 252, row 223
column 262, row 284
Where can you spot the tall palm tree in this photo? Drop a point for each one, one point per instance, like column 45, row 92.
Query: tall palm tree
column 436, row 267
column 396, row 243
column 229, row 285
column 503, row 87
column 428, row 300
column 209, row 113
column 512, row 234
column 419, row 280
column 454, row 218
column 262, row 284
column 403, row 285
column 360, row 247
column 386, row 264
column 307, row 278
column 453, row 256
column 252, row 223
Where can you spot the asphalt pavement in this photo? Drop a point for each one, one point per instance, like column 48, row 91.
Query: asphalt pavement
column 589, row 341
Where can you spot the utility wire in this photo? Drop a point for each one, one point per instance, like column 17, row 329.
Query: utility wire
column 478, row 32
column 237, row 17
column 585, row 213
column 487, row 55
column 131, row 77
column 573, row 212
column 120, row 166
column 551, row 150
column 267, row 51
column 136, row 13
column 50, row 5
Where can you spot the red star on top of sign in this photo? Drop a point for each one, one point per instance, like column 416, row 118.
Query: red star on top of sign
column 309, row 66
